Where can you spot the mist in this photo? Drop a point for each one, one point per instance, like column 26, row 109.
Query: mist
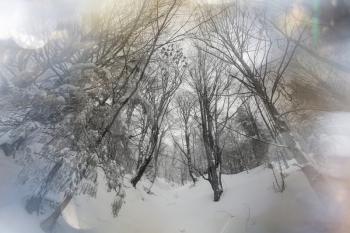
column 167, row 116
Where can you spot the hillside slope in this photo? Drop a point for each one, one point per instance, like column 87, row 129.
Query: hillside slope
column 249, row 204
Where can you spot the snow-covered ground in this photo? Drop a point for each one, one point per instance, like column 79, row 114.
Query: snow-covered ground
column 249, row 204
column 13, row 218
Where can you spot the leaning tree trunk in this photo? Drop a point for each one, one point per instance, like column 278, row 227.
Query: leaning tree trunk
column 157, row 152
column 48, row 224
column 33, row 204
column 313, row 176
column 285, row 133
column 146, row 162
column 142, row 168
column 141, row 171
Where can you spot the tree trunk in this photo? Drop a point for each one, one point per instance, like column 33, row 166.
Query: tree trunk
column 188, row 152
column 211, row 150
column 48, row 224
column 156, row 161
column 143, row 166
column 191, row 173
column 141, row 171
column 317, row 181
column 33, row 204
column 285, row 134
column 214, row 176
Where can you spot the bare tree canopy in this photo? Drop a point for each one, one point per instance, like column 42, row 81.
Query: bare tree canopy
column 138, row 99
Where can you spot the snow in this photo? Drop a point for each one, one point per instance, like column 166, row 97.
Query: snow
column 249, row 204
column 13, row 218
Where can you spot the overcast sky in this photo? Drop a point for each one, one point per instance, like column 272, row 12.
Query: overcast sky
column 25, row 20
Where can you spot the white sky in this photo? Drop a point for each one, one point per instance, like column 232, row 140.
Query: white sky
column 26, row 20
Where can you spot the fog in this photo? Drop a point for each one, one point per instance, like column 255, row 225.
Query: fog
column 167, row 116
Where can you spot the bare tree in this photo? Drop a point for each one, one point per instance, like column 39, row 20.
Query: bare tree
column 211, row 86
column 161, row 87
column 185, row 105
column 76, row 87
column 242, row 38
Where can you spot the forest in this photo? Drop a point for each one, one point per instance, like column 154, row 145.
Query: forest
column 212, row 104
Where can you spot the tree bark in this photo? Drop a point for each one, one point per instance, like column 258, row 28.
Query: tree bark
column 48, row 224
column 141, row 171
column 188, row 152
column 285, row 134
column 214, row 175
column 33, row 204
